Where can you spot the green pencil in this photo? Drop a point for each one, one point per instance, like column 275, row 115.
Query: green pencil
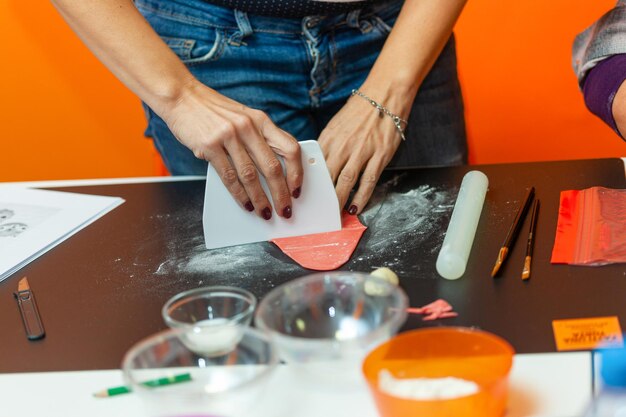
column 110, row 392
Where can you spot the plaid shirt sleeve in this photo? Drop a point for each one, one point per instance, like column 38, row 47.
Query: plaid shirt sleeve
column 604, row 38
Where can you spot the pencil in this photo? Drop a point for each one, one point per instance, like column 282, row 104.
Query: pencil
column 110, row 392
column 513, row 230
column 531, row 240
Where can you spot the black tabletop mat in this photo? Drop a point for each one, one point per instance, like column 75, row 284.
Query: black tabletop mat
column 103, row 289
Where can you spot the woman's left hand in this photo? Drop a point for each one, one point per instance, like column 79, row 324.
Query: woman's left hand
column 357, row 141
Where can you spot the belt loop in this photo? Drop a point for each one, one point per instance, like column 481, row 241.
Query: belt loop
column 352, row 18
column 245, row 29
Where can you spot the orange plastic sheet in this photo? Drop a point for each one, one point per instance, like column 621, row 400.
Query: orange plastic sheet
column 324, row 251
column 591, row 228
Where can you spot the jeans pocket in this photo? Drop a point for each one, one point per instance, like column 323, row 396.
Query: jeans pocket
column 195, row 38
column 197, row 51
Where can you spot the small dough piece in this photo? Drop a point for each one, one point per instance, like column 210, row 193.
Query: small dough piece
column 376, row 288
column 439, row 309
column 386, row 274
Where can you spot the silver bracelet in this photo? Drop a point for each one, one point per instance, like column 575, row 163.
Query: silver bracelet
column 382, row 110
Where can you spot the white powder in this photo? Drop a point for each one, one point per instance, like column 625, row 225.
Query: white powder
column 425, row 388
column 403, row 224
column 247, row 260
column 213, row 336
column 398, row 224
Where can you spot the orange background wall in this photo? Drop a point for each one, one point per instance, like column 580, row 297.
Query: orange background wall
column 63, row 115
column 522, row 100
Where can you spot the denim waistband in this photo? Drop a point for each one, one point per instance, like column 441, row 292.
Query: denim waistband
column 204, row 14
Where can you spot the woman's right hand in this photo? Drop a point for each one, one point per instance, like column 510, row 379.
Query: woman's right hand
column 234, row 138
column 237, row 140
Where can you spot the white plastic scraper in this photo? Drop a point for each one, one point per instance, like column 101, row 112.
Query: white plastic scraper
column 226, row 223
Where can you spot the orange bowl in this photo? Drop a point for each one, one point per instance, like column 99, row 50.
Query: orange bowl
column 465, row 353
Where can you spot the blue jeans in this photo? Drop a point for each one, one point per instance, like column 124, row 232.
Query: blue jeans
column 300, row 72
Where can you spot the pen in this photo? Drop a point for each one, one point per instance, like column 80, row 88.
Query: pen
column 513, row 230
column 110, row 392
column 531, row 240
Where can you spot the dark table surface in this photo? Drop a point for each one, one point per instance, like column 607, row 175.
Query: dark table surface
column 102, row 290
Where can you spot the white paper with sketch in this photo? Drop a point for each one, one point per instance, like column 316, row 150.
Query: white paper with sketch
column 34, row 221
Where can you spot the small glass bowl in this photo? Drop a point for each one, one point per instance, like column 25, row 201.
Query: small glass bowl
column 212, row 318
column 230, row 384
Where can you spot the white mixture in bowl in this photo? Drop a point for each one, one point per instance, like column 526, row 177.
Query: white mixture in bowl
column 425, row 388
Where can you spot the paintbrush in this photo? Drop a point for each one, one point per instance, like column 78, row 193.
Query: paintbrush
column 513, row 230
column 531, row 240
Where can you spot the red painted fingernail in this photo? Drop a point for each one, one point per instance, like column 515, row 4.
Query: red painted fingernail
column 296, row 192
column 267, row 213
column 249, row 206
column 287, row 212
column 353, row 209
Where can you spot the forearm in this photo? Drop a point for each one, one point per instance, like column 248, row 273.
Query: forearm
column 419, row 35
column 123, row 40
column 231, row 136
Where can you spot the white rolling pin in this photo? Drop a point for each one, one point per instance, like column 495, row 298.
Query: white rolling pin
column 457, row 244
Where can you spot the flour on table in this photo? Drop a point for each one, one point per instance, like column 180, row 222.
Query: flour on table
column 398, row 223
column 248, row 260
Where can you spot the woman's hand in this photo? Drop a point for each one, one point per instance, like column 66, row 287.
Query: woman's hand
column 358, row 142
column 237, row 140
column 234, row 138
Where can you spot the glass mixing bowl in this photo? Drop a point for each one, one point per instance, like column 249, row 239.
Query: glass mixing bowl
column 330, row 321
